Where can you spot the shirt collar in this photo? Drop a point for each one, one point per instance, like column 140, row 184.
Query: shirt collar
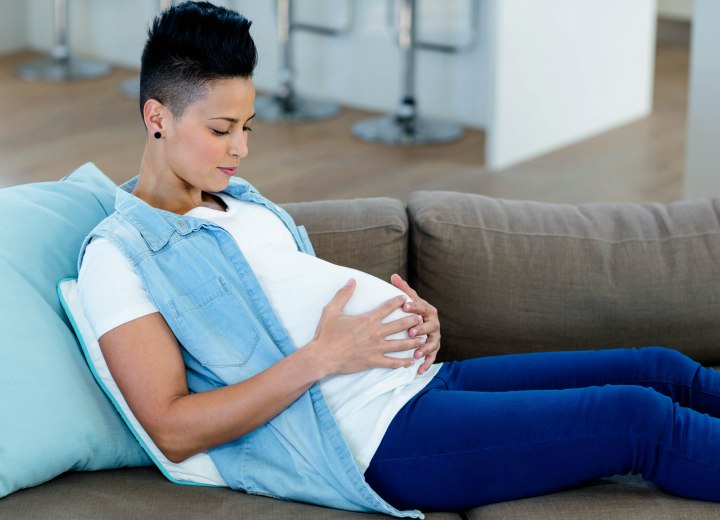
column 158, row 225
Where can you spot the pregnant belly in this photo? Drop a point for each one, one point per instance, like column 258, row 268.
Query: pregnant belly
column 298, row 287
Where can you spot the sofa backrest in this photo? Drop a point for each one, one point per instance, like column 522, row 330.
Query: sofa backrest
column 516, row 276
column 367, row 234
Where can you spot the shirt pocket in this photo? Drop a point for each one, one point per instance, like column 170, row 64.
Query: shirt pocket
column 215, row 327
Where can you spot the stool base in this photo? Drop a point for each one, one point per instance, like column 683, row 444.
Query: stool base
column 60, row 70
column 391, row 131
column 273, row 109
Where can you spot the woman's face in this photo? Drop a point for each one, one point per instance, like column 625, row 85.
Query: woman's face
column 204, row 146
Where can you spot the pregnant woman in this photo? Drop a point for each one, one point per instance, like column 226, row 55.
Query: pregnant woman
column 314, row 382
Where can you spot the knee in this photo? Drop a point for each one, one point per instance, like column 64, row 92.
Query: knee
column 640, row 406
column 664, row 355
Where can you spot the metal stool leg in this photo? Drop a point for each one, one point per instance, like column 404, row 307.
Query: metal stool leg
column 405, row 127
column 61, row 66
column 285, row 105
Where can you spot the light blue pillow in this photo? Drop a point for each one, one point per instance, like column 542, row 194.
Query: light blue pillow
column 197, row 470
column 53, row 416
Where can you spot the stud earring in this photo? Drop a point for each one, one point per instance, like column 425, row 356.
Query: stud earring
column 157, row 135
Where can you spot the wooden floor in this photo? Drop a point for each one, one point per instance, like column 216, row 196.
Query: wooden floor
column 48, row 130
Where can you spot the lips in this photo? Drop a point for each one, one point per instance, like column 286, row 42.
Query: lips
column 228, row 171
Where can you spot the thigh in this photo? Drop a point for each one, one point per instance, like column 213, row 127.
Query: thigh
column 452, row 450
column 665, row 370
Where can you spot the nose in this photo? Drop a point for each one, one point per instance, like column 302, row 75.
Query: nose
column 239, row 146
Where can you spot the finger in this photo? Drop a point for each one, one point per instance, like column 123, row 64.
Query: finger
column 419, row 306
column 384, row 309
column 401, row 284
column 426, row 327
column 429, row 356
column 400, row 325
column 422, row 351
column 391, row 362
column 429, row 360
column 399, row 345
column 431, row 346
column 343, row 295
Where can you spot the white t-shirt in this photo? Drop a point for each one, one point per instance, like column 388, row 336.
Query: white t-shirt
column 298, row 287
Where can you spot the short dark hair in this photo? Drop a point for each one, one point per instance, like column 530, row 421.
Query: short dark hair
column 190, row 45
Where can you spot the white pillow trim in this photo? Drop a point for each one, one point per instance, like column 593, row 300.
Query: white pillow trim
column 198, row 470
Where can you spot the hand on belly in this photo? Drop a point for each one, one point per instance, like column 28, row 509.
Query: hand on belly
column 299, row 290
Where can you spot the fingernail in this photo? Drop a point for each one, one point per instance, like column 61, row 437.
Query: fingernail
column 423, row 340
column 420, row 318
column 408, row 306
column 412, row 332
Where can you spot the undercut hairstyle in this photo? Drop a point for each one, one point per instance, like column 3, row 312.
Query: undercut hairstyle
column 189, row 46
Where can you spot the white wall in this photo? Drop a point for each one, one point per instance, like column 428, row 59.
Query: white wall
column 12, row 25
column 702, row 153
column 564, row 70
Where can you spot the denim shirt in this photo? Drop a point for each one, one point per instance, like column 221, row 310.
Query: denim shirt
column 202, row 284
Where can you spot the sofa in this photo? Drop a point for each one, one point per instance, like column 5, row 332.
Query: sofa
column 506, row 276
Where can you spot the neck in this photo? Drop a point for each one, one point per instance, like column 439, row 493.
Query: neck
column 162, row 189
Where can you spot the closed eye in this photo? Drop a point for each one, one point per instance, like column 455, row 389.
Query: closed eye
column 219, row 132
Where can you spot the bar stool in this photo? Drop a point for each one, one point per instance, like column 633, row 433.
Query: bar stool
column 131, row 87
column 61, row 66
column 285, row 105
column 405, row 126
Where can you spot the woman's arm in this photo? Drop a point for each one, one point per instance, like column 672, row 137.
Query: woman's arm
column 144, row 358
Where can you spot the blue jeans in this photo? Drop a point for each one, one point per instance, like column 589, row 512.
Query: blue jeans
column 514, row 426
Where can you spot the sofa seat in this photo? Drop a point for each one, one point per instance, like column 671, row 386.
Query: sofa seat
column 115, row 494
column 144, row 492
column 617, row 498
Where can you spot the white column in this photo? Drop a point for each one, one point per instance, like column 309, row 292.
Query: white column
column 565, row 70
column 702, row 156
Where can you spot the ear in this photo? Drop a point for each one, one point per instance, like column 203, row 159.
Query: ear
column 154, row 115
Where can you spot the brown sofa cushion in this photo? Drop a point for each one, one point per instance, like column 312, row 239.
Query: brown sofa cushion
column 517, row 276
column 367, row 234
column 621, row 497
column 145, row 493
